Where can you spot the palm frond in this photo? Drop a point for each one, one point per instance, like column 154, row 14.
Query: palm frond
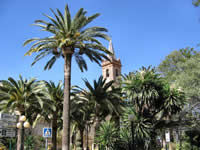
column 50, row 63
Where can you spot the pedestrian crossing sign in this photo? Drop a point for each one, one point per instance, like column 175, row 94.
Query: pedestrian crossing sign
column 47, row 132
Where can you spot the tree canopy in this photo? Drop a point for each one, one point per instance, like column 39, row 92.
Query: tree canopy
column 182, row 69
column 196, row 2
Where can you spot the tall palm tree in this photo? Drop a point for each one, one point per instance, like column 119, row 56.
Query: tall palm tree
column 70, row 37
column 25, row 96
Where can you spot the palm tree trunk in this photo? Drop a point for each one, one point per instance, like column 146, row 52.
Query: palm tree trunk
column 66, row 102
column 54, row 131
column 81, row 134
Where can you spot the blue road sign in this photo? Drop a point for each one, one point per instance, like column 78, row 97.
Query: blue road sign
column 47, row 132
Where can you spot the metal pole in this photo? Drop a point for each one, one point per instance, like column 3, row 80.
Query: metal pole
column 132, row 131
column 46, row 144
column 191, row 140
column 22, row 138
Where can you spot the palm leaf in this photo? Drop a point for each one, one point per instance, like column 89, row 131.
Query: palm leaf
column 67, row 17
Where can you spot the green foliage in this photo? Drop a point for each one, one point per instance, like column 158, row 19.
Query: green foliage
column 151, row 102
column 54, row 93
column 170, row 64
column 194, row 137
column 5, row 142
column 29, row 143
column 106, row 135
column 181, row 68
column 103, row 96
column 34, row 142
column 196, row 2
column 186, row 144
column 23, row 95
column 124, row 141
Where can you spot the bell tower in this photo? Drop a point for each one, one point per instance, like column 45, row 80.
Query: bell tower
column 111, row 69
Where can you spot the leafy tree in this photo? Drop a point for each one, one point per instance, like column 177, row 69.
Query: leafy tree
column 25, row 96
column 152, row 103
column 181, row 68
column 69, row 37
column 170, row 65
column 185, row 76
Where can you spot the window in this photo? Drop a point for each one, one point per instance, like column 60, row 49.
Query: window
column 116, row 72
column 107, row 73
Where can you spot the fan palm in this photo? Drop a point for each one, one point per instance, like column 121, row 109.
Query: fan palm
column 70, row 37
column 25, row 96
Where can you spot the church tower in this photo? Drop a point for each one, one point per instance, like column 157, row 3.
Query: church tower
column 111, row 69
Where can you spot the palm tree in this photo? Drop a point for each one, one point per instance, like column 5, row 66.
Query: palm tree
column 81, row 114
column 70, row 37
column 25, row 96
column 103, row 98
column 55, row 93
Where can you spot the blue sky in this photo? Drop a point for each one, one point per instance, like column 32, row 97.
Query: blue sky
column 143, row 33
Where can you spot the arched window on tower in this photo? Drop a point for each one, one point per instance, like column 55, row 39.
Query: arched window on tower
column 116, row 72
column 107, row 72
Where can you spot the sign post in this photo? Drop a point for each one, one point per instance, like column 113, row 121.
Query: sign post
column 47, row 132
column 167, row 138
column 7, row 125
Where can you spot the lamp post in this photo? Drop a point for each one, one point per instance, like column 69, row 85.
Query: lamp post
column 21, row 125
column 131, row 119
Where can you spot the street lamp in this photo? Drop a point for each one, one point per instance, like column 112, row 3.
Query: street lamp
column 131, row 119
column 22, row 124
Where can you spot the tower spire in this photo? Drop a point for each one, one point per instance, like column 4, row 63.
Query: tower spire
column 111, row 49
column 111, row 69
